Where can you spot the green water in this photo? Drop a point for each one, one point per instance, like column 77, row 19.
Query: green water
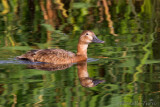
column 128, row 62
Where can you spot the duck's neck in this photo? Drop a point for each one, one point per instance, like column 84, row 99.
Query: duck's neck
column 82, row 49
column 82, row 70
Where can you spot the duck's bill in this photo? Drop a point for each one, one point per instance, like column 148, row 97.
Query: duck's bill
column 96, row 40
column 96, row 82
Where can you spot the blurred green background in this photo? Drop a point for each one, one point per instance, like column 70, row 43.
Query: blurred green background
column 129, row 60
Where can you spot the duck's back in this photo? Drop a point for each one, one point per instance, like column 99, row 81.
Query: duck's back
column 56, row 56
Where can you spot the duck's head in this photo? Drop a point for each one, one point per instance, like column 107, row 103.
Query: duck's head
column 89, row 37
column 90, row 82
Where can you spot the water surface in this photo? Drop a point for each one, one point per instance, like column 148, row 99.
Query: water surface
column 127, row 65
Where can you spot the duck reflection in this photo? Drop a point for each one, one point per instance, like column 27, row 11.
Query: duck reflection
column 83, row 75
column 84, row 78
column 49, row 66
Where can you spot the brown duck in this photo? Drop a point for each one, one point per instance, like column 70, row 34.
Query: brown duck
column 60, row 56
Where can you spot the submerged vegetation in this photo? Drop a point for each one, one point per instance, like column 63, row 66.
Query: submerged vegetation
column 129, row 60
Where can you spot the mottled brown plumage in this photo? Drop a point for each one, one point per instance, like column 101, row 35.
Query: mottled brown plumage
column 49, row 55
column 60, row 56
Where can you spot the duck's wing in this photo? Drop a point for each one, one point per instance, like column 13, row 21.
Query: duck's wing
column 48, row 55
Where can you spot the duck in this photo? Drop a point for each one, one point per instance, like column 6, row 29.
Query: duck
column 60, row 56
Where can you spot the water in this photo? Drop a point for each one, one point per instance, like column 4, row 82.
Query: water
column 122, row 72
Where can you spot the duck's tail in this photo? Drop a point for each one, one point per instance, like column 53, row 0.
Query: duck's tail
column 21, row 57
column 28, row 56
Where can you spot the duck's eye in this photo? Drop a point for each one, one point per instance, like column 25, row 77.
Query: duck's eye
column 86, row 33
